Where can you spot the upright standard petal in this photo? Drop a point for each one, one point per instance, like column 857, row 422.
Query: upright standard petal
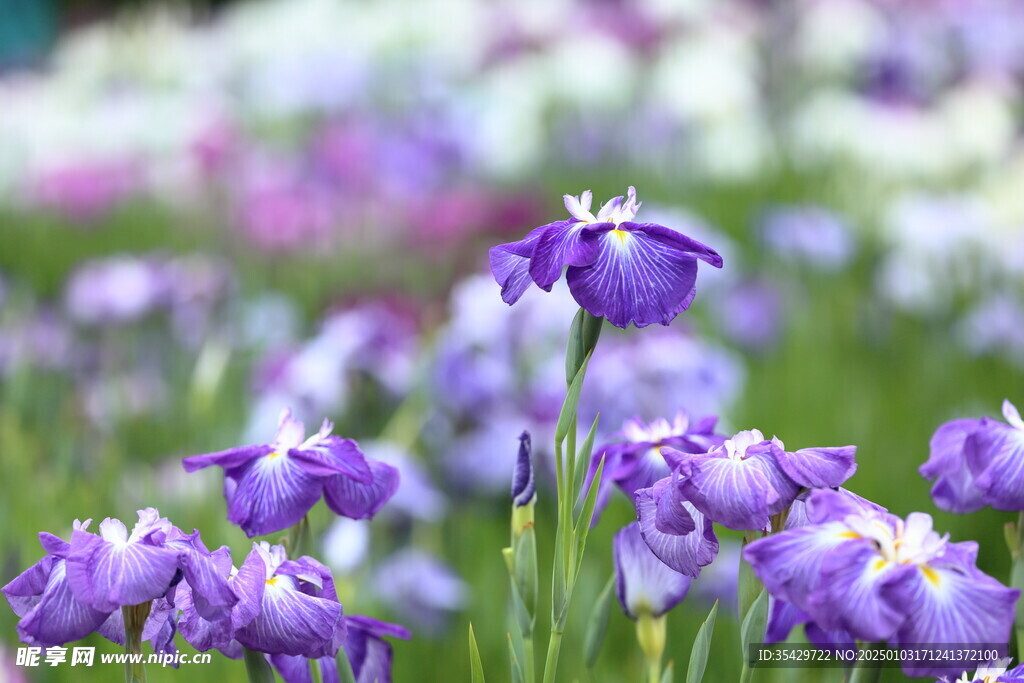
column 108, row 573
column 954, row 489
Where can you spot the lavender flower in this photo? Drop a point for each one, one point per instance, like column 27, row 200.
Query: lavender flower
column 81, row 586
column 636, row 462
column 741, row 483
column 271, row 487
column 423, row 589
column 644, row 584
column 676, row 532
column 976, row 462
column 299, row 613
column 627, row 272
column 857, row 569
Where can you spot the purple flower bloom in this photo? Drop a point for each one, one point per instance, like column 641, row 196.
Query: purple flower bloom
column 978, row 462
column 627, row 272
column 299, row 613
column 523, row 487
column 79, row 587
column 49, row 612
column 741, row 483
column 644, row 584
column 117, row 569
column 675, row 531
column 808, row 234
column 636, row 461
column 270, row 487
column 858, row 569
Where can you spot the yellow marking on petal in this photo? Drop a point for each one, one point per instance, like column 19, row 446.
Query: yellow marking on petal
column 930, row 574
column 273, row 454
column 623, row 235
column 880, row 565
column 272, row 581
column 849, row 534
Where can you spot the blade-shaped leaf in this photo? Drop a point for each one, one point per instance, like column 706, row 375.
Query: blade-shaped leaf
column 752, row 630
column 516, row 668
column 701, row 648
column 571, row 403
column 583, row 457
column 345, row 674
column 597, row 627
column 582, row 527
column 475, row 665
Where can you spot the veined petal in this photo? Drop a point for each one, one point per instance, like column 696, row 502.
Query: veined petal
column 50, row 613
column 851, row 594
column 272, row 493
column 633, row 278
column 334, row 455
column 232, row 457
column 672, row 515
column 561, row 244
column 292, row 623
column 207, row 575
column 789, row 562
column 511, row 271
column 678, row 241
column 995, row 456
column 735, row 493
column 201, row 633
column 356, row 500
column 107, row 575
column 945, row 605
column 954, row 489
column 296, row 669
column 642, row 581
column 687, row 553
column 820, row 467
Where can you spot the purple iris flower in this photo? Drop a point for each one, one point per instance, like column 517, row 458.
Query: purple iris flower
column 49, row 612
column 635, row 461
column 80, row 587
column 368, row 654
column 995, row 672
column 644, row 584
column 271, row 487
column 858, row 569
column 676, row 532
column 420, row 587
column 741, row 483
column 978, row 462
column 627, row 272
column 299, row 613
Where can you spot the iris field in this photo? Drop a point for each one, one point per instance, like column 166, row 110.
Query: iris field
column 206, row 218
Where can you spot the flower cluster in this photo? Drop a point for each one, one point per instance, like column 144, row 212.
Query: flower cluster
column 977, row 462
column 285, row 608
column 271, row 487
column 741, row 484
column 856, row 569
column 627, row 272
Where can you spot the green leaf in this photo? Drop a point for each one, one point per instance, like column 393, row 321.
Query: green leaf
column 257, row 667
column 669, row 673
column 748, row 589
column 582, row 527
column 569, row 406
column 516, row 668
column 597, row 627
column 752, row 630
column 701, row 648
column 574, row 352
column 475, row 665
column 583, row 456
column 345, row 674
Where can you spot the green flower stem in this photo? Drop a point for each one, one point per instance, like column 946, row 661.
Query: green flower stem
column 134, row 618
column 257, row 668
column 551, row 663
column 651, row 634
